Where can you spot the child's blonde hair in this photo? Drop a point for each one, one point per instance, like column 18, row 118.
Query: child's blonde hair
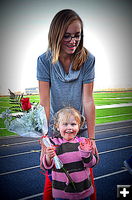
column 65, row 113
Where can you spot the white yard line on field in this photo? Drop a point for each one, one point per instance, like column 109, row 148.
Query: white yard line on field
column 97, row 107
column 117, row 98
column 113, row 116
column 114, row 105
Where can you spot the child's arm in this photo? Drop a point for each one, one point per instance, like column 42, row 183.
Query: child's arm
column 46, row 156
column 50, row 153
column 86, row 149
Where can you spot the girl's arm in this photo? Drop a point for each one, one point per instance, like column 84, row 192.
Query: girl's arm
column 44, row 93
column 50, row 153
column 46, row 158
column 89, row 108
column 86, row 150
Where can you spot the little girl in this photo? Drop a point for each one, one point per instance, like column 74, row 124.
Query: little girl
column 76, row 154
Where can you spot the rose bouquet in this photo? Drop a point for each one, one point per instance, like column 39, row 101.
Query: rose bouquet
column 33, row 124
column 30, row 124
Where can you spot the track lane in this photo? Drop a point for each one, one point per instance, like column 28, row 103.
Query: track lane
column 24, row 184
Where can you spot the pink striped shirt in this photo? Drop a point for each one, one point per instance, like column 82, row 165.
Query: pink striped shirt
column 77, row 162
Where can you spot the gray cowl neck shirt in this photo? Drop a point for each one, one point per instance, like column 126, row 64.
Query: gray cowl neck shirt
column 65, row 89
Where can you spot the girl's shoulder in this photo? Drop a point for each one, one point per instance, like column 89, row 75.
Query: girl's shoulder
column 46, row 56
column 90, row 59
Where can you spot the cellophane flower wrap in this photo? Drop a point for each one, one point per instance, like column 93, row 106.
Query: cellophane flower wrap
column 31, row 124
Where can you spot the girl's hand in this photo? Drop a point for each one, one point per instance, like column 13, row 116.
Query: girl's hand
column 43, row 149
column 86, row 145
column 50, row 152
column 95, row 150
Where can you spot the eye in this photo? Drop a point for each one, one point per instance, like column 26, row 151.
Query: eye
column 73, row 124
column 77, row 36
column 65, row 124
column 66, row 36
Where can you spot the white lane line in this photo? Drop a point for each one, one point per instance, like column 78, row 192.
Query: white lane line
column 112, row 129
column 113, row 137
column 32, row 196
column 19, row 154
column 38, row 166
column 19, row 170
column 99, row 131
column 110, row 174
column 96, row 178
column 10, row 137
column 19, row 143
column 37, row 150
column 112, row 150
column 113, row 123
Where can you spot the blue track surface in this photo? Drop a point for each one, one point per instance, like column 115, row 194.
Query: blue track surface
column 21, row 177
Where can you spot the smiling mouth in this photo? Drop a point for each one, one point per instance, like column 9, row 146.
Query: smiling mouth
column 69, row 132
column 71, row 46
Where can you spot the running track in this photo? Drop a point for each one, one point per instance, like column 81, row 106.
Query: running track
column 21, row 177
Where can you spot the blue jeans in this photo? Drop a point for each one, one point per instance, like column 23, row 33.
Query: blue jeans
column 87, row 198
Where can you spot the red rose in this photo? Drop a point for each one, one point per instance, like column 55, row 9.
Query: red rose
column 25, row 103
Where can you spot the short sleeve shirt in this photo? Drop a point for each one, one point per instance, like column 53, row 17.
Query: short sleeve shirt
column 65, row 89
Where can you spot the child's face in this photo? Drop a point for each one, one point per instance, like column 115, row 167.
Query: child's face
column 68, row 129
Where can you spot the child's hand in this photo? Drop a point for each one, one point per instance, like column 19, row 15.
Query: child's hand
column 87, row 145
column 50, row 152
column 43, row 149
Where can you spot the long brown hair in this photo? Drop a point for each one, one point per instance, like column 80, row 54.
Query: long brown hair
column 58, row 27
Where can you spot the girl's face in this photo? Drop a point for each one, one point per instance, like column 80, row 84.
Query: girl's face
column 71, row 38
column 68, row 128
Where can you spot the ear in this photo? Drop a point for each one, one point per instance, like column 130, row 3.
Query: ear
column 57, row 128
column 82, row 120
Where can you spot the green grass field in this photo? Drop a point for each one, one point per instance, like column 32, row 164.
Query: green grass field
column 102, row 115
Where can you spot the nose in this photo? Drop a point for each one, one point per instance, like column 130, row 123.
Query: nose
column 69, row 126
column 73, row 40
